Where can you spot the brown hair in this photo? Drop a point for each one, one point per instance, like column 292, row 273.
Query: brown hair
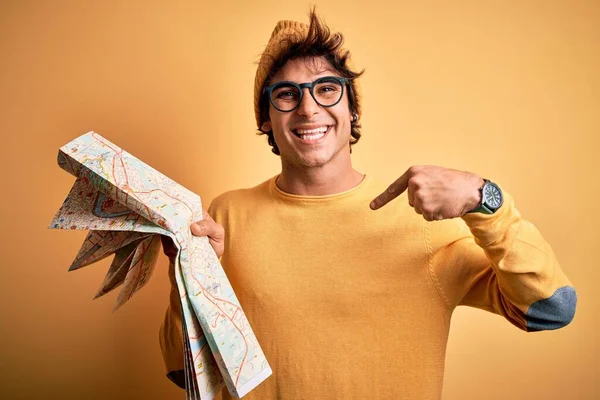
column 319, row 42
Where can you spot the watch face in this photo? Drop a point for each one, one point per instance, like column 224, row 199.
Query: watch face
column 492, row 196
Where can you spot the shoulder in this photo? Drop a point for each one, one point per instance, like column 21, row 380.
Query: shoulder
column 239, row 198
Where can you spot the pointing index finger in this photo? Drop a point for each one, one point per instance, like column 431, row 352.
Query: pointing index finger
column 393, row 191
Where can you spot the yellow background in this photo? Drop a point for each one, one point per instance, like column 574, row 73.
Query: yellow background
column 509, row 90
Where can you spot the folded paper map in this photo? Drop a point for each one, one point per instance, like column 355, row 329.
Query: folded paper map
column 126, row 204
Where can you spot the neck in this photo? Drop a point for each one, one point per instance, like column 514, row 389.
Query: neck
column 318, row 181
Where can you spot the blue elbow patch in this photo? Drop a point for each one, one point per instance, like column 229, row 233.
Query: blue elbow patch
column 554, row 312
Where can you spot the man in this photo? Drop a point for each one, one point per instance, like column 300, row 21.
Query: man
column 351, row 297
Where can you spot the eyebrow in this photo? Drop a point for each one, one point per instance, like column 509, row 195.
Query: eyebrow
column 318, row 77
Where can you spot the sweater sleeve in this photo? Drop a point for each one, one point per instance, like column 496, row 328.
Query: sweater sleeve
column 171, row 334
column 502, row 264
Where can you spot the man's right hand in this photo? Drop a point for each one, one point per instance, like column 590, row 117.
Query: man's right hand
column 215, row 232
column 206, row 227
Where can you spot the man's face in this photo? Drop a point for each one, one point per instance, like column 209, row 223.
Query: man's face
column 311, row 135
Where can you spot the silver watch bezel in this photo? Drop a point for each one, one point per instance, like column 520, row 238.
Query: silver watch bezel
column 484, row 203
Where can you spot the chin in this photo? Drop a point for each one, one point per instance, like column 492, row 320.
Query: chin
column 316, row 157
column 315, row 162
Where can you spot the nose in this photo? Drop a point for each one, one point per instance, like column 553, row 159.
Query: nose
column 308, row 106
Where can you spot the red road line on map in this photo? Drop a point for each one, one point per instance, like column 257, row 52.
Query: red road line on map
column 134, row 194
column 225, row 301
column 219, row 315
column 237, row 308
column 206, row 293
column 119, row 154
column 215, row 298
column 126, row 179
column 106, row 144
column 236, row 327
column 168, row 195
column 114, row 173
column 223, row 313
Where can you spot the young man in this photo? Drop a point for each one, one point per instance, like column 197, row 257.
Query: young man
column 351, row 297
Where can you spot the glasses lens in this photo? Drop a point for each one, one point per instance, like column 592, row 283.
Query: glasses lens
column 285, row 97
column 328, row 91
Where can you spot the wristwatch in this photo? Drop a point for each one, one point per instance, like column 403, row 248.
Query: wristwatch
column 491, row 198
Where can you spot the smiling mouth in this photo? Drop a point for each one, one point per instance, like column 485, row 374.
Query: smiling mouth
column 311, row 135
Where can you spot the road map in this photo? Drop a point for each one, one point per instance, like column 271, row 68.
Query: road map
column 126, row 205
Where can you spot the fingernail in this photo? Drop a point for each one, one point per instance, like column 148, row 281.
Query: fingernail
column 373, row 204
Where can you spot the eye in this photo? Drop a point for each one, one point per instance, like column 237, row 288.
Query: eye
column 286, row 95
column 285, row 92
column 327, row 88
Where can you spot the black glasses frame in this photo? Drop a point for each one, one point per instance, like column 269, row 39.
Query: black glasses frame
column 301, row 86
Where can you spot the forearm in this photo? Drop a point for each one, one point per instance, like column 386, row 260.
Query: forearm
column 528, row 273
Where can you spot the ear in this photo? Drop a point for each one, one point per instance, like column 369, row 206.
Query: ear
column 266, row 126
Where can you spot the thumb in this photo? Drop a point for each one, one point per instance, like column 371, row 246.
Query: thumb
column 207, row 227
column 393, row 191
column 214, row 231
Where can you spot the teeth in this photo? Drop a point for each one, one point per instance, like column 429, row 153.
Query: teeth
column 322, row 129
column 312, row 137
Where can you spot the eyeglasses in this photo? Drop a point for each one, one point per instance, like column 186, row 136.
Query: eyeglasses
column 286, row 96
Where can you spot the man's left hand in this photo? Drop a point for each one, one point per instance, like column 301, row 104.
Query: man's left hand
column 435, row 192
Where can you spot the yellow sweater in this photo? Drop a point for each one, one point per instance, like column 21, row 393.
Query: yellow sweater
column 351, row 303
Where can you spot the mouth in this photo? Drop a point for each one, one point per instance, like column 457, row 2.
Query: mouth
column 312, row 135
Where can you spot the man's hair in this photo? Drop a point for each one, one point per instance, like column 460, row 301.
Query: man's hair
column 319, row 42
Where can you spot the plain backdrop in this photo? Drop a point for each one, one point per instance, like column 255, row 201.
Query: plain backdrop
column 509, row 90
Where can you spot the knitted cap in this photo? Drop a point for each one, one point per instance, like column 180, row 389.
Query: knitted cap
column 285, row 34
